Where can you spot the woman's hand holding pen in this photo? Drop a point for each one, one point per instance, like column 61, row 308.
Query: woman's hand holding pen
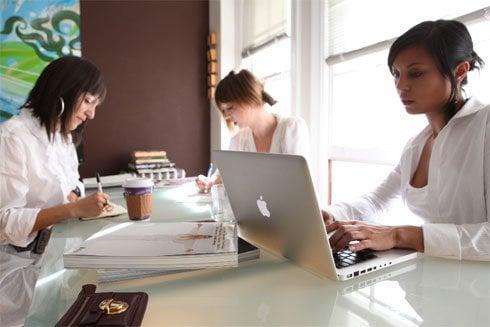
column 204, row 183
column 90, row 206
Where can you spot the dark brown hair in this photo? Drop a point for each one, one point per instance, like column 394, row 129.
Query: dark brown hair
column 242, row 88
column 66, row 78
column 449, row 43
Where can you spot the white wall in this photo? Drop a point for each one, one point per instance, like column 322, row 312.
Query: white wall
column 222, row 22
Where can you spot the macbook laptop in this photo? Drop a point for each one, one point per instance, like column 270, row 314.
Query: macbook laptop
column 274, row 202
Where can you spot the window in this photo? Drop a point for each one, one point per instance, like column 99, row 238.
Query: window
column 272, row 65
column 368, row 126
column 266, row 47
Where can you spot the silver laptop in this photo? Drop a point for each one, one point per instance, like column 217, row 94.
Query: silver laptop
column 274, row 202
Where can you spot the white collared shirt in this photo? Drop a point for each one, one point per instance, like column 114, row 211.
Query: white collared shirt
column 290, row 137
column 456, row 210
column 34, row 174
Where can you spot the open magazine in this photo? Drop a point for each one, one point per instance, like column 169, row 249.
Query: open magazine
column 171, row 246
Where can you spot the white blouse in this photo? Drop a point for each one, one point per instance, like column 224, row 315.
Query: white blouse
column 455, row 204
column 290, row 137
column 34, row 174
column 417, row 200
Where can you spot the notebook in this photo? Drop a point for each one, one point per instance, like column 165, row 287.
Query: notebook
column 111, row 210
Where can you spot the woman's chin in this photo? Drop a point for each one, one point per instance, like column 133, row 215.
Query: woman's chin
column 73, row 127
column 412, row 110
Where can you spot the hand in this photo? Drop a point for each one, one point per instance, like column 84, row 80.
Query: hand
column 203, row 183
column 327, row 217
column 370, row 236
column 72, row 197
column 90, row 206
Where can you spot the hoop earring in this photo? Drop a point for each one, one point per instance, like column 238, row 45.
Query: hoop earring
column 62, row 107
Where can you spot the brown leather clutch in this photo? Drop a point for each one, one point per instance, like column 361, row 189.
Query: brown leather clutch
column 105, row 309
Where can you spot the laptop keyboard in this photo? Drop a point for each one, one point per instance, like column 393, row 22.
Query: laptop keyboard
column 345, row 257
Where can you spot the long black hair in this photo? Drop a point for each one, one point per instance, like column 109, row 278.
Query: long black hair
column 449, row 43
column 65, row 80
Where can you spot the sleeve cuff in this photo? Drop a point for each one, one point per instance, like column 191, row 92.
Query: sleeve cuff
column 81, row 187
column 19, row 233
column 335, row 211
column 441, row 240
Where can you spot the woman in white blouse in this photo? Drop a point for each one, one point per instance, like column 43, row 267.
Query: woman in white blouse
column 39, row 180
column 444, row 172
column 241, row 99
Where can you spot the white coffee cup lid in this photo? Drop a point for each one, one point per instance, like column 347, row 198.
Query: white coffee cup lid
column 137, row 182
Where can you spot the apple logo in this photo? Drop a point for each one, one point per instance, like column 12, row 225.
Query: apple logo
column 262, row 205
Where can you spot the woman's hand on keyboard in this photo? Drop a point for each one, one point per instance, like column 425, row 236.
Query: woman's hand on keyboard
column 375, row 237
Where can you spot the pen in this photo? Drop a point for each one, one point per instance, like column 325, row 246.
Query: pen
column 99, row 184
column 210, row 169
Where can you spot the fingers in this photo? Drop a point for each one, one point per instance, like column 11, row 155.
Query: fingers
column 333, row 226
column 362, row 245
column 101, row 200
column 102, row 197
column 347, row 238
column 343, row 235
column 203, row 183
column 327, row 217
column 336, row 224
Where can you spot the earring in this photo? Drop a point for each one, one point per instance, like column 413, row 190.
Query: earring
column 62, row 107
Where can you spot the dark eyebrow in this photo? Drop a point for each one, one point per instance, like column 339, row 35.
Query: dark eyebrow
column 414, row 63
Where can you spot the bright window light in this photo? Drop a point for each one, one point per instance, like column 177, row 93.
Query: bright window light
column 272, row 65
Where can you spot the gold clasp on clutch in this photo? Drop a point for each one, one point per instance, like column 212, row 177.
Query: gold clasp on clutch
column 112, row 307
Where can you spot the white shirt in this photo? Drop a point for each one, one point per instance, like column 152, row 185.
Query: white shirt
column 456, row 209
column 290, row 137
column 34, row 174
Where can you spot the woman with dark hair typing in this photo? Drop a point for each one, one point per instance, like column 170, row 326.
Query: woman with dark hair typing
column 444, row 173
column 241, row 100
column 39, row 180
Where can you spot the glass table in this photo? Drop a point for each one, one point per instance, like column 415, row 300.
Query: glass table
column 271, row 290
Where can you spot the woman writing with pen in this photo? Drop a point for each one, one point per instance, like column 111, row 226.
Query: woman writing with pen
column 241, row 99
column 39, row 180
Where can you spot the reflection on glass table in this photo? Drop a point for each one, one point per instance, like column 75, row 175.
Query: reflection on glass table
column 271, row 290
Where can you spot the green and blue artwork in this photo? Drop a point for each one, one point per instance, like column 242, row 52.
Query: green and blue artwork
column 32, row 34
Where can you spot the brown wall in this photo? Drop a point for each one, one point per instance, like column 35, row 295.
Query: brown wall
column 153, row 57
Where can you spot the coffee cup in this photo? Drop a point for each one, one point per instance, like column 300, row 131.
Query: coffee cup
column 138, row 195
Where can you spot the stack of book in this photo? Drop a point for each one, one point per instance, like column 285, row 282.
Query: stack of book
column 246, row 252
column 164, row 246
column 154, row 165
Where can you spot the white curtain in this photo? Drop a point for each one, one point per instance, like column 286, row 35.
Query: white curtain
column 263, row 21
column 380, row 20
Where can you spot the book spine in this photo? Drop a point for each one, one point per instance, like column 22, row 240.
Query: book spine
column 144, row 154
column 150, row 160
column 157, row 170
column 150, row 165
column 174, row 174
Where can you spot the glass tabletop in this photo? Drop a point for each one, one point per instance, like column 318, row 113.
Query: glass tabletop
column 271, row 290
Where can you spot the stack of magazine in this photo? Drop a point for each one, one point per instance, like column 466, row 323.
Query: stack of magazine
column 162, row 246
column 246, row 252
